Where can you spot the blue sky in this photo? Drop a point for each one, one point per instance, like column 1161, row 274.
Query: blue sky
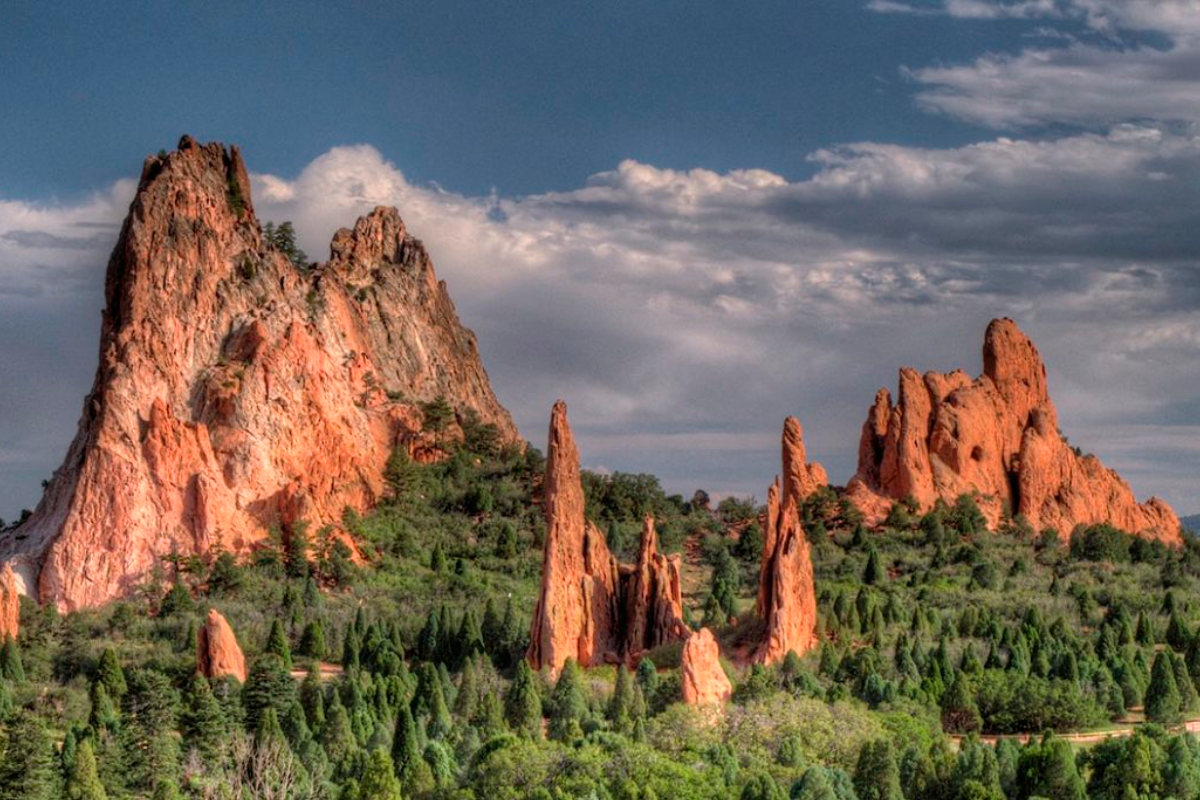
column 688, row 219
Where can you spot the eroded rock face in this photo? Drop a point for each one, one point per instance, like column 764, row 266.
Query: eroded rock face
column 591, row 608
column 218, row 654
column 703, row 680
column 10, row 604
column 235, row 390
column 997, row 435
column 787, row 600
column 653, row 596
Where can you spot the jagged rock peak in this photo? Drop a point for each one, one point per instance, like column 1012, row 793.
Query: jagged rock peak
column 218, row 653
column 236, row 389
column 787, row 600
column 703, row 680
column 10, row 604
column 591, row 608
column 996, row 436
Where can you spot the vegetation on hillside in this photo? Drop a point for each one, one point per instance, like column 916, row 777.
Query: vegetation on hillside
column 400, row 674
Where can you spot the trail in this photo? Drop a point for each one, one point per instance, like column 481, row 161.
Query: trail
column 1120, row 730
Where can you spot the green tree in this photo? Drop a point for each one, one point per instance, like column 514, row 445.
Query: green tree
column 110, row 674
column 522, row 705
column 312, row 641
column 1163, row 702
column 1048, row 769
column 876, row 777
column 28, row 770
column 83, row 780
column 873, row 573
column 379, row 780
column 568, row 706
column 277, row 643
column 959, row 712
column 269, row 685
column 202, row 721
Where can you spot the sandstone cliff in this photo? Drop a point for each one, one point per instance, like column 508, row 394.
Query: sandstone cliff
column 591, row 608
column 787, row 600
column 218, row 653
column 235, row 390
column 997, row 435
column 703, row 680
column 10, row 604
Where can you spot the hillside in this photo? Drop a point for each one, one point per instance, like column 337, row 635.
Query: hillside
column 929, row 628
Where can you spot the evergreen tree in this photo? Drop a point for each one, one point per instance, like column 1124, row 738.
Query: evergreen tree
column 312, row 641
column 647, row 678
column 269, row 685
column 522, row 705
column 337, row 735
column 873, row 573
column 568, row 706
column 1188, row 700
column 762, row 787
column 83, row 779
column 813, row 785
column 877, row 777
column 28, row 770
column 11, row 666
column 104, row 714
column 959, row 712
column 277, row 643
column 202, row 721
column 414, row 774
column 111, row 675
column 379, row 780
column 1048, row 769
column 1163, row 703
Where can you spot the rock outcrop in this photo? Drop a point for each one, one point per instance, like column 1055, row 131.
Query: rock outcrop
column 653, row 594
column 218, row 654
column 590, row 608
column 236, row 390
column 703, row 680
column 10, row 604
column 787, row 599
column 996, row 435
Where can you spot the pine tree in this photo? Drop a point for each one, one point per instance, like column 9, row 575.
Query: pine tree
column 379, row 780
column 202, row 721
column 277, row 643
column 762, row 787
column 1163, row 703
column 104, row 714
column 28, row 770
column 111, row 675
column 269, row 685
column 337, row 735
column 1188, row 700
column 959, row 712
column 813, row 785
column 312, row 641
column 410, row 766
column 876, row 777
column 522, row 705
column 467, row 699
column 83, row 779
column 873, row 573
column 11, row 666
column 620, row 712
column 647, row 678
column 1048, row 769
column 568, row 706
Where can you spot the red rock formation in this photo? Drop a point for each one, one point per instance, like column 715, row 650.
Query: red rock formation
column 217, row 651
column 577, row 607
column 235, row 390
column 996, row 435
column 704, row 681
column 591, row 608
column 653, row 595
column 10, row 604
column 787, row 600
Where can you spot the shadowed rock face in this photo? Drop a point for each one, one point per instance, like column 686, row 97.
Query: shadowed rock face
column 997, row 435
column 10, row 604
column 218, row 654
column 235, row 390
column 787, row 600
column 703, row 680
column 591, row 608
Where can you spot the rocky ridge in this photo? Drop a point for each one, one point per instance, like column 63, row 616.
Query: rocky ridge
column 236, row 390
column 997, row 435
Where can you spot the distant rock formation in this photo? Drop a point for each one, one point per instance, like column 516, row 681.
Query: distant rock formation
column 787, row 599
column 948, row 435
column 704, row 681
column 10, row 604
column 591, row 608
column 236, row 389
column 218, row 654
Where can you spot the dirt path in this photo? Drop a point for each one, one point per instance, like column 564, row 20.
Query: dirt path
column 1121, row 729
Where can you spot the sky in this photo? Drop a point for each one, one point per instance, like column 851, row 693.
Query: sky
column 688, row 219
